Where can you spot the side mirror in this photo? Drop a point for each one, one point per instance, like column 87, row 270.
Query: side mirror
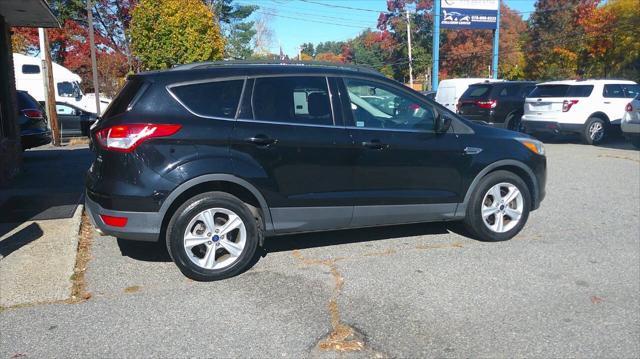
column 442, row 123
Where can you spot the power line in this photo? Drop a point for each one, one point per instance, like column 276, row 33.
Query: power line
column 309, row 20
column 340, row 6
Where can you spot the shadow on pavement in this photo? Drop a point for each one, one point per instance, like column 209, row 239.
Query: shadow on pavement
column 50, row 186
column 20, row 239
column 157, row 251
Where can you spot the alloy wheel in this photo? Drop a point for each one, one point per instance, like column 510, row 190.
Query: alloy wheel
column 502, row 207
column 596, row 131
column 215, row 238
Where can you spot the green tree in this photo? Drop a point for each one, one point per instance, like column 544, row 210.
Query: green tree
column 307, row 49
column 169, row 32
column 238, row 32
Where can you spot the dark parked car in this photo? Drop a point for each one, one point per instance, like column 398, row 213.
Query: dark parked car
column 498, row 103
column 213, row 158
column 32, row 121
column 73, row 120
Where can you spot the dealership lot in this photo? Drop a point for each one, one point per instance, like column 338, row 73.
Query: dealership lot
column 568, row 285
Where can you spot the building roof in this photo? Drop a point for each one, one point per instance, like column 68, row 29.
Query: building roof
column 28, row 13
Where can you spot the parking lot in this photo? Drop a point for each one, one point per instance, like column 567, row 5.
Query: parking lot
column 567, row 286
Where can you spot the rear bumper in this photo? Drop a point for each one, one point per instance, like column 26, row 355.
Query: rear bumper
column 630, row 128
column 141, row 226
column 35, row 139
column 551, row 127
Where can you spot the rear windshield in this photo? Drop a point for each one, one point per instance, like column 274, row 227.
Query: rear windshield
column 126, row 95
column 562, row 91
column 476, row 91
column 25, row 101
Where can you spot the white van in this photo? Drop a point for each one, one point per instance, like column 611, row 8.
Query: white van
column 585, row 107
column 449, row 91
column 28, row 76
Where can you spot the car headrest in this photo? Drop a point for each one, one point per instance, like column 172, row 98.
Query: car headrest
column 318, row 104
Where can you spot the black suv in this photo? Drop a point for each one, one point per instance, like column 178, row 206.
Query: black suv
column 213, row 158
column 500, row 104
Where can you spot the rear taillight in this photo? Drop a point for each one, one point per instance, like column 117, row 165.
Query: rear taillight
column 31, row 113
column 566, row 104
column 487, row 104
column 125, row 138
column 114, row 221
column 629, row 108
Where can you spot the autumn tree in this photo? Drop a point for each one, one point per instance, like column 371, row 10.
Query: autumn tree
column 169, row 32
column 610, row 47
column 555, row 39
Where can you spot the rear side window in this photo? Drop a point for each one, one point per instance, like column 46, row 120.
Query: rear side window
column 295, row 99
column 211, row 99
column 613, row 91
column 631, row 91
column 120, row 103
column 508, row 90
column 476, row 91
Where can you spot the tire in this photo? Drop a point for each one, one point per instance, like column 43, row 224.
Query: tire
column 513, row 122
column 482, row 199
column 589, row 134
column 212, row 239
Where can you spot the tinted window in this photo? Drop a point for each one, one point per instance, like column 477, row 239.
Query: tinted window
column 475, row 91
column 561, row 91
column 67, row 89
column 613, row 91
column 508, row 90
column 25, row 101
column 213, row 99
column 302, row 99
column 30, row 69
column 374, row 105
column 526, row 90
column 549, row 91
column 123, row 98
column 631, row 91
column 580, row 91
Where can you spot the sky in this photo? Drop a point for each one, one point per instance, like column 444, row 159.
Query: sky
column 298, row 21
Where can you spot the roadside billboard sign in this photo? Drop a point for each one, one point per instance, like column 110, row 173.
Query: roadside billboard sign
column 469, row 14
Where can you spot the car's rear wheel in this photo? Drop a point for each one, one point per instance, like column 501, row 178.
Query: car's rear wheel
column 499, row 207
column 595, row 131
column 212, row 236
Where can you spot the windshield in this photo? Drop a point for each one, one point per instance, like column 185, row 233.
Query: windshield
column 561, row 91
column 69, row 89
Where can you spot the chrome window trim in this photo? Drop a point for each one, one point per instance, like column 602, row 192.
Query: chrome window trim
column 288, row 123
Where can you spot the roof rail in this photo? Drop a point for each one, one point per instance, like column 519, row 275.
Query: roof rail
column 211, row 64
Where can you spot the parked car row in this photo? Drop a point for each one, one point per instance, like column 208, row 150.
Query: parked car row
column 34, row 126
column 588, row 108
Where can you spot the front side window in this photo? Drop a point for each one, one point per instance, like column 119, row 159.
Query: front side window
column 211, row 99
column 374, row 105
column 30, row 69
column 292, row 99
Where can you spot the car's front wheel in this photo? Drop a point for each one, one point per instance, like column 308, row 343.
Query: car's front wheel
column 499, row 207
column 212, row 236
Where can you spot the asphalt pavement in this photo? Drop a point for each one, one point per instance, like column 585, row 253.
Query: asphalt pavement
column 567, row 286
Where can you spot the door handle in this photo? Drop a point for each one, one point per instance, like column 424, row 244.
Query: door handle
column 607, row 102
column 261, row 140
column 375, row 145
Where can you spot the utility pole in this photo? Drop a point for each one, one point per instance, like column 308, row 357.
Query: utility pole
column 436, row 45
column 49, row 92
column 410, row 59
column 94, row 66
column 496, row 45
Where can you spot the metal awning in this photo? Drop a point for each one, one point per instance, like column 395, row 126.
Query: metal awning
column 28, row 13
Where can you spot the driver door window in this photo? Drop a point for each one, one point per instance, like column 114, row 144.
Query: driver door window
column 375, row 105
